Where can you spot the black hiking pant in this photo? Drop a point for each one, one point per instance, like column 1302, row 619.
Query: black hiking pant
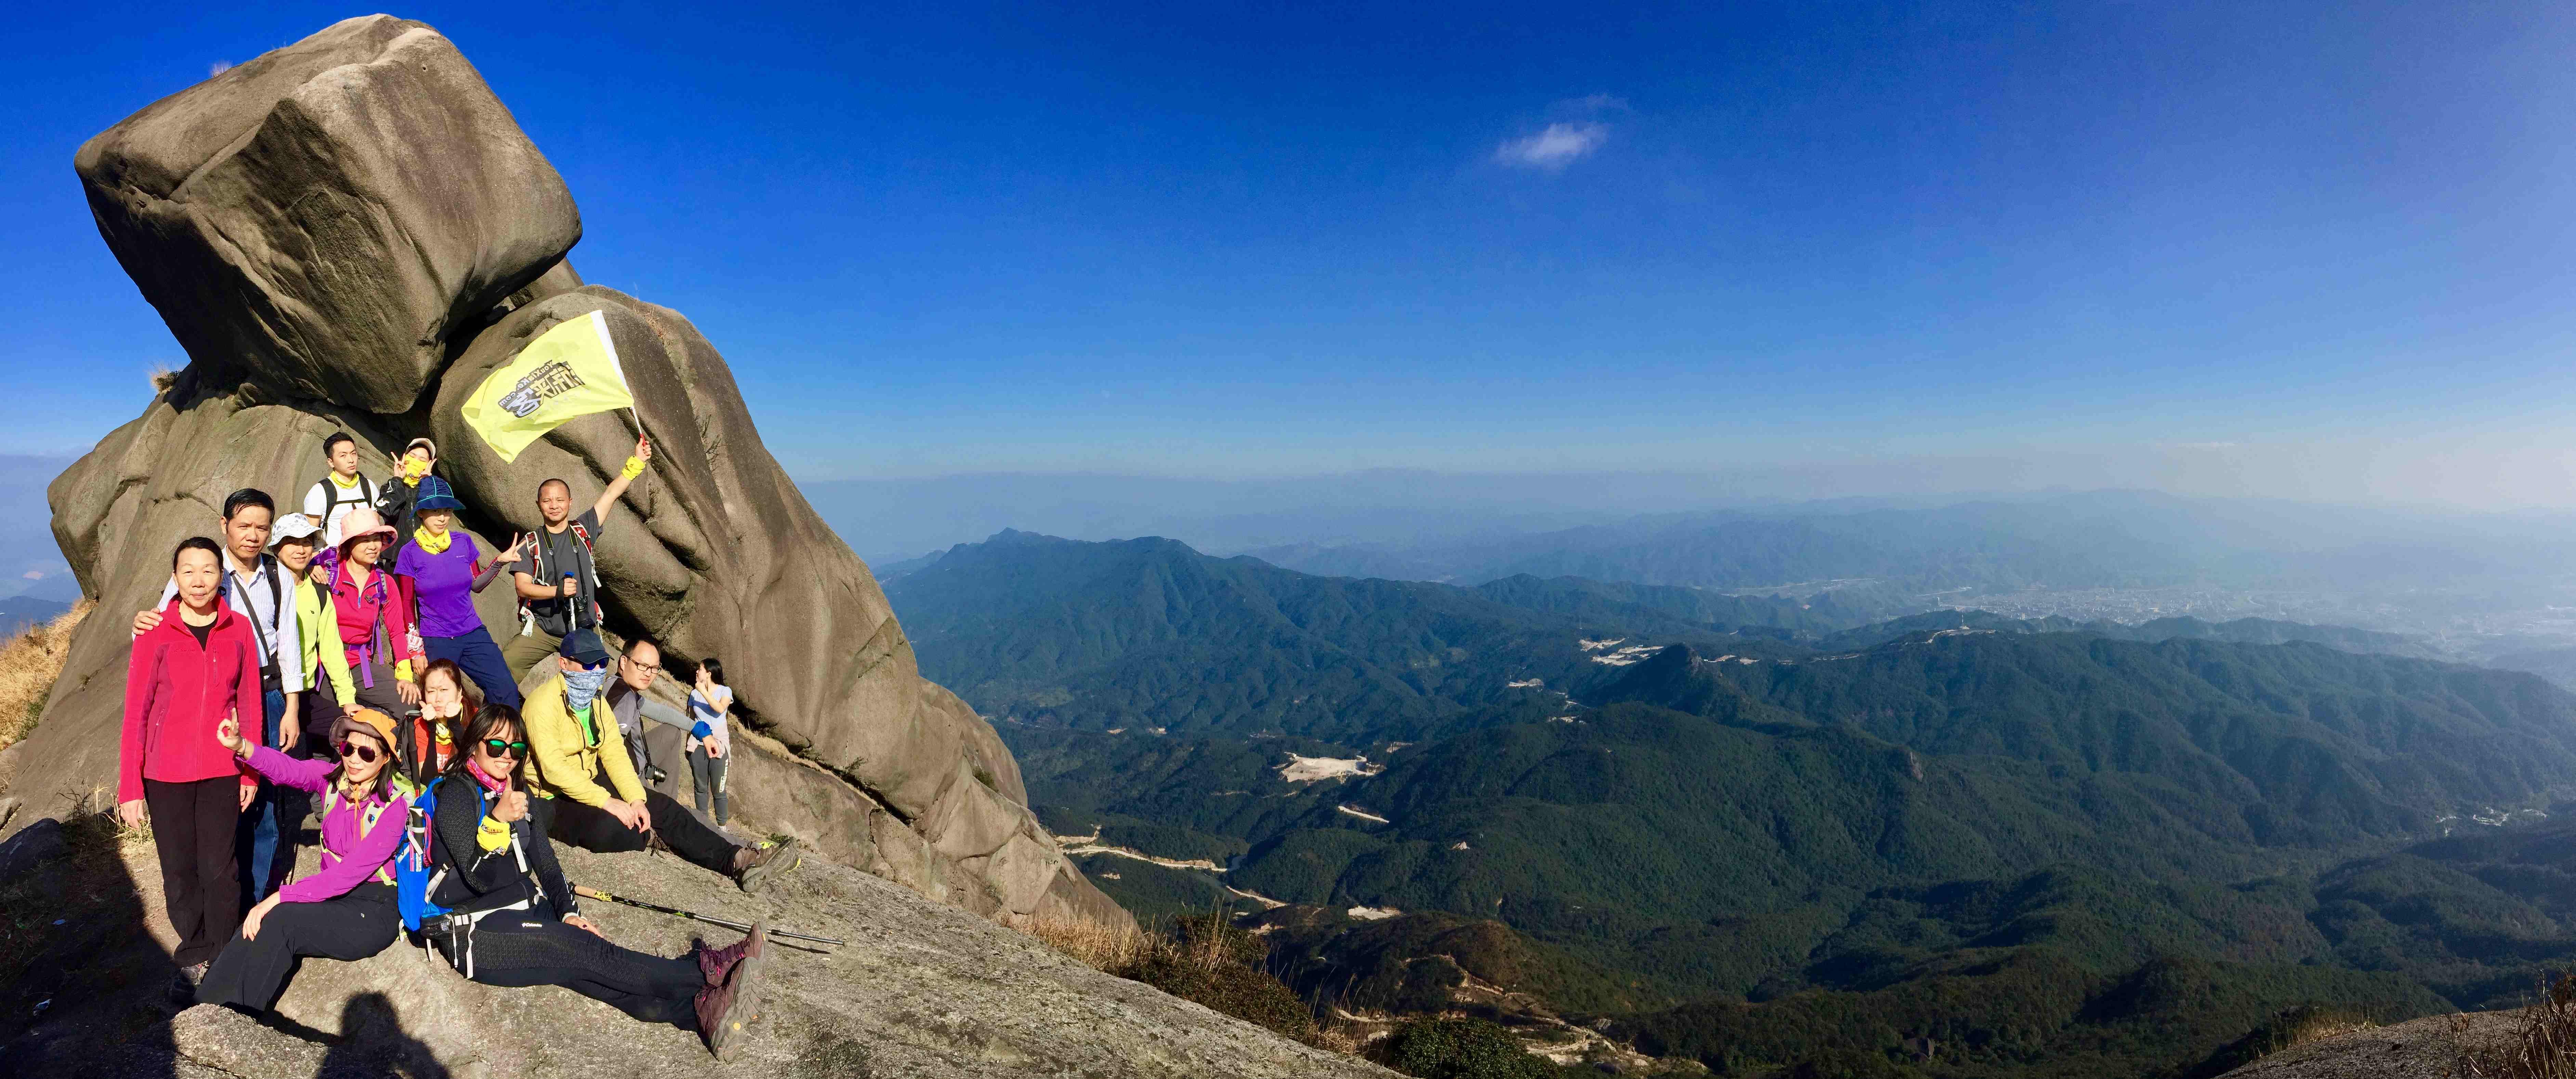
column 515, row 949
column 349, row 927
column 687, row 836
column 193, row 828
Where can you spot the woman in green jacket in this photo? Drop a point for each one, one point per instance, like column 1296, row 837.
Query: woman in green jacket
column 293, row 540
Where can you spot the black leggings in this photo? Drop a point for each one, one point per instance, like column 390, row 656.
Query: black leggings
column 522, row 948
column 687, row 836
column 349, row 927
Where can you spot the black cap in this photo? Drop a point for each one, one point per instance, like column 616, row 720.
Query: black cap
column 582, row 646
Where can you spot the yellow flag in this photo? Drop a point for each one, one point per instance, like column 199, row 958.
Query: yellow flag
column 570, row 370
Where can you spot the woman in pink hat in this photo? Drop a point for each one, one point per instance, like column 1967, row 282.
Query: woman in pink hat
column 375, row 609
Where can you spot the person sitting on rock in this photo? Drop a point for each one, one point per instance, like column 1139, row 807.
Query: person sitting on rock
column 255, row 586
column 398, row 503
column 594, row 800
column 558, row 584
column 446, row 570
column 189, row 674
column 637, row 669
column 375, row 616
column 446, row 706
column 340, row 490
column 347, row 911
column 514, row 922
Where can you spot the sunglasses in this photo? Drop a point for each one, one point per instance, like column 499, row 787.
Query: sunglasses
column 500, row 748
column 365, row 753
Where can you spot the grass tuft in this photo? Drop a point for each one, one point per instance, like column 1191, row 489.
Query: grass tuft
column 2543, row 1047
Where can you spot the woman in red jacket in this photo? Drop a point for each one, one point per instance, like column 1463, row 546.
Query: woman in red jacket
column 188, row 675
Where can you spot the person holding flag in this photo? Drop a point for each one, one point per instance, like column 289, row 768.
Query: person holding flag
column 571, row 370
column 557, row 580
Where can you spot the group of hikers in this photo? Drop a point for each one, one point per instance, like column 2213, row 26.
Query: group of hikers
column 332, row 662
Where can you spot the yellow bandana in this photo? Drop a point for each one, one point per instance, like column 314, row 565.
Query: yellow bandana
column 432, row 542
column 350, row 484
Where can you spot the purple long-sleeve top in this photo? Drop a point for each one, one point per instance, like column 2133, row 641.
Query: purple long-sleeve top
column 348, row 858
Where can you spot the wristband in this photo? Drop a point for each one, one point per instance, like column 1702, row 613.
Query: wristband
column 634, row 467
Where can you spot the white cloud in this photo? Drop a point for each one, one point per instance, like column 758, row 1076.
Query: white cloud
column 1553, row 149
column 1592, row 103
column 218, row 68
column 35, row 575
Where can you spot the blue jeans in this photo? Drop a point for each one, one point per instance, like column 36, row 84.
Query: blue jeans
column 264, row 861
column 480, row 659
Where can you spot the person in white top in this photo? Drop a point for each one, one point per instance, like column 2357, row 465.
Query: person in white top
column 710, row 744
column 334, row 495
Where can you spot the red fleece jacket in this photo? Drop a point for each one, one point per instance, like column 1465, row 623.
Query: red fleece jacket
column 177, row 692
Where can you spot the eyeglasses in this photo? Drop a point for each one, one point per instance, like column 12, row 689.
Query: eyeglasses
column 364, row 753
column 648, row 668
column 499, row 748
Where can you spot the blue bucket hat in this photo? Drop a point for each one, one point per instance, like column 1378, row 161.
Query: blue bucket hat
column 436, row 494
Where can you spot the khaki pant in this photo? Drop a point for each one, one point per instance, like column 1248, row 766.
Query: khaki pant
column 527, row 650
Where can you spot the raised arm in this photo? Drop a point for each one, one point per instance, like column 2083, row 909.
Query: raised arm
column 369, row 854
column 616, row 488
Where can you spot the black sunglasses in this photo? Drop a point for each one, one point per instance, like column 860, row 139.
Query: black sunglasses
column 364, row 753
column 500, row 748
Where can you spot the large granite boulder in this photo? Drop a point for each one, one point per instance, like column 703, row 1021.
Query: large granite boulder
column 323, row 218
column 713, row 550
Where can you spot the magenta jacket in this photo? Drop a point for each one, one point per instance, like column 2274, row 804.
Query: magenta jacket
column 350, row 855
column 177, row 692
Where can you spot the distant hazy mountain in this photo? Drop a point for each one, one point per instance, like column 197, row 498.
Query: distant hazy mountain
column 19, row 612
column 2107, row 539
column 2241, row 631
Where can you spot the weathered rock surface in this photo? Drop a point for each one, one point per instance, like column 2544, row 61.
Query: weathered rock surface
column 443, row 259
column 322, row 219
column 920, row 990
column 2416, row 1049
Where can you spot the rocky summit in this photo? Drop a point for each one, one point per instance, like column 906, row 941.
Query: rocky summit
column 350, row 233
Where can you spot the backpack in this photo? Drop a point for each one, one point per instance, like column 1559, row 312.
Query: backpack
column 417, row 872
column 370, row 815
column 589, row 595
column 331, row 500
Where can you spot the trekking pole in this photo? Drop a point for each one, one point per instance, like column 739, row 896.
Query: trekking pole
column 587, row 892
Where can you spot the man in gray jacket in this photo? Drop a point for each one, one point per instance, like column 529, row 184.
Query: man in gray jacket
column 636, row 671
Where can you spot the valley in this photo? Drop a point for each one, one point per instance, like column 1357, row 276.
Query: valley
column 1775, row 830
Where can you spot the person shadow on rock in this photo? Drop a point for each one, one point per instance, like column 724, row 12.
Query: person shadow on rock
column 372, row 1045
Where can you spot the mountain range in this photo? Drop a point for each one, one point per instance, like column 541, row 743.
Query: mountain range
column 1761, row 831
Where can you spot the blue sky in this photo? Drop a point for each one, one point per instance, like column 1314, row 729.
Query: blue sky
column 1237, row 240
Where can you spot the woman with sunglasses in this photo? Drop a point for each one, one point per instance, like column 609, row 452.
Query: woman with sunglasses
column 488, row 859
column 346, row 911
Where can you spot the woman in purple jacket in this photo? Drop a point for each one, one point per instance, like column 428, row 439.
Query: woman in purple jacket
column 347, row 910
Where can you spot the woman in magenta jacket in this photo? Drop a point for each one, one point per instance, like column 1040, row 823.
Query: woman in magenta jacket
column 347, row 911
column 196, row 670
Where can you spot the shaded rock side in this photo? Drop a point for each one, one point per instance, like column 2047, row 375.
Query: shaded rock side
column 920, row 990
column 713, row 550
column 322, row 218
column 2432, row 1046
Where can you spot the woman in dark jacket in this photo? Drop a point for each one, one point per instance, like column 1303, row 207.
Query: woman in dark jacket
column 514, row 922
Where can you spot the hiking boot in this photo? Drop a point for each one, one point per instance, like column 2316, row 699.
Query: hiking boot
column 715, row 963
column 761, row 863
column 723, row 1010
column 183, row 985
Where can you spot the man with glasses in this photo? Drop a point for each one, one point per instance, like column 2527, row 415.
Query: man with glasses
column 261, row 591
column 586, row 781
column 636, row 672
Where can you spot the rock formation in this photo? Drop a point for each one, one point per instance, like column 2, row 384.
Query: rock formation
column 347, row 234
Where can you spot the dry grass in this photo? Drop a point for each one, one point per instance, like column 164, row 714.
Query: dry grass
column 1103, row 948
column 28, row 664
column 2544, row 1046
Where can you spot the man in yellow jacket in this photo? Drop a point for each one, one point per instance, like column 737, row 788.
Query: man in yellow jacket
column 589, row 795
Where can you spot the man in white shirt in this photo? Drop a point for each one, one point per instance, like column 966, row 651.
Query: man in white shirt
column 334, row 495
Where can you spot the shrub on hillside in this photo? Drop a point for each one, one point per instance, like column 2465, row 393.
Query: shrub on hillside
column 1461, row 1049
column 1204, row 960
